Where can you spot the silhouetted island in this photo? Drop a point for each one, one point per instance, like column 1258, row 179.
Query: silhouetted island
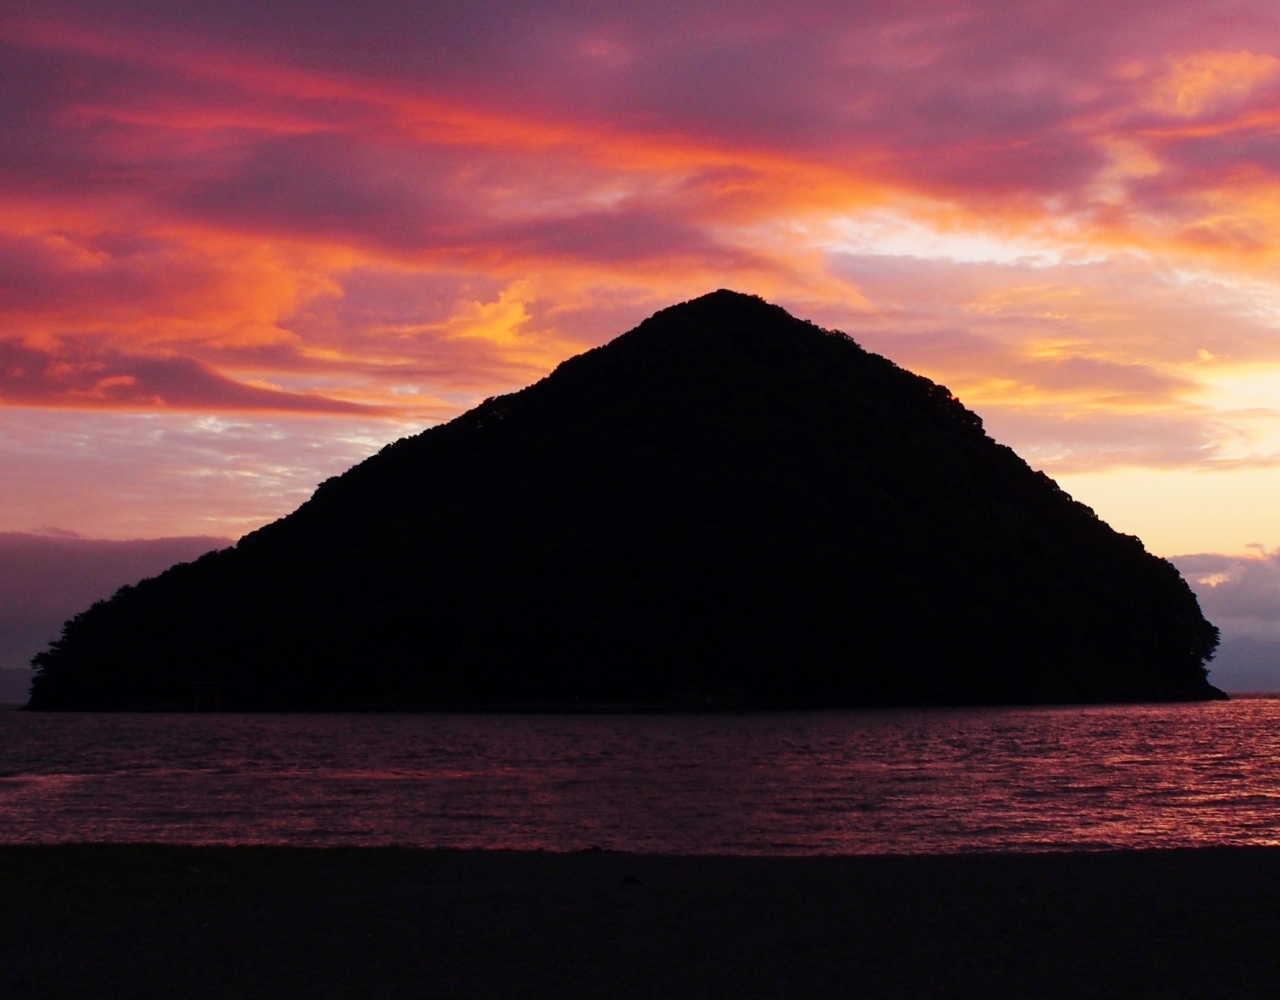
column 724, row 507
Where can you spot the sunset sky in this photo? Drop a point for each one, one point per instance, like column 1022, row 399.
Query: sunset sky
column 242, row 245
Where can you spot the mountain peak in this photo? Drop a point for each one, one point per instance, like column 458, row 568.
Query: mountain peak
column 726, row 505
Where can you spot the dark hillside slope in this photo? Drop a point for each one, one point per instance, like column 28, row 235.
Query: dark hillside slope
column 725, row 505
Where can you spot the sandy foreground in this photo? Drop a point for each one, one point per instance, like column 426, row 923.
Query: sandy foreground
column 147, row 921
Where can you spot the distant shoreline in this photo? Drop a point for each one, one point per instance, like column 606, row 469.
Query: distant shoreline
column 146, row 920
column 631, row 708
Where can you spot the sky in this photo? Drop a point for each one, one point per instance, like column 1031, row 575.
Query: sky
column 243, row 245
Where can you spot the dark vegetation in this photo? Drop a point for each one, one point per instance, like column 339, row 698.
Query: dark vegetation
column 726, row 506
column 44, row 579
column 201, row 923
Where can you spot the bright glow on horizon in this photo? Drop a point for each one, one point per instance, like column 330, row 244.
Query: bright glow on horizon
column 1179, row 512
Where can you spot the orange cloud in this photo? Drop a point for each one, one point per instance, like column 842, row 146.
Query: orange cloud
column 1206, row 81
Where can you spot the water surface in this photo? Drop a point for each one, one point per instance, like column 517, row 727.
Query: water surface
column 819, row 783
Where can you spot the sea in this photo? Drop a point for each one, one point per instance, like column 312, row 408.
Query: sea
column 819, row 783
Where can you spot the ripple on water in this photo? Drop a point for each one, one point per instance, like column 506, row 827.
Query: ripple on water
column 819, row 783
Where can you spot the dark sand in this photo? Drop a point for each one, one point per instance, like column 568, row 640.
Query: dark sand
column 140, row 921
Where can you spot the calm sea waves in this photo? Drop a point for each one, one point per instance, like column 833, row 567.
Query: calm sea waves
column 823, row 783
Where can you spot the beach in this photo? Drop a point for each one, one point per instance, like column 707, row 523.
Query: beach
column 164, row 921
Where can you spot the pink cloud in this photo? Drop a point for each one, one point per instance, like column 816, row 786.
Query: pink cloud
column 80, row 378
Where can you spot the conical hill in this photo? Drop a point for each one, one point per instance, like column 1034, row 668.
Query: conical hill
column 726, row 506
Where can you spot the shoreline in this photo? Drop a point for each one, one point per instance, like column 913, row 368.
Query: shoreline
column 674, row 709
column 151, row 920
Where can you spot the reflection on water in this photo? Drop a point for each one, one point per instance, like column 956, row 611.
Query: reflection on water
column 824, row 783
